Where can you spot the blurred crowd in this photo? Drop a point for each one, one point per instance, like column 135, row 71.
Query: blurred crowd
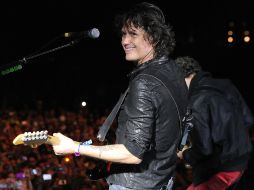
column 25, row 168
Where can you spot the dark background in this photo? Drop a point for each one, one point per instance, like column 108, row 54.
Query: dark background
column 94, row 70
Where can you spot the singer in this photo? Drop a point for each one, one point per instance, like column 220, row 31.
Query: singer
column 144, row 154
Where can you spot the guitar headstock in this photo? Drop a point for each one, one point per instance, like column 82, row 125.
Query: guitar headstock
column 33, row 139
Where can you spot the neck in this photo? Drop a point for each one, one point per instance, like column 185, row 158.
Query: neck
column 147, row 57
column 188, row 79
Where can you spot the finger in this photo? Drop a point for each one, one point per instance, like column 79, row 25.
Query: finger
column 55, row 134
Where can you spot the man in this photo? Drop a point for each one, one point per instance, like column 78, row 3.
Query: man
column 144, row 156
column 220, row 142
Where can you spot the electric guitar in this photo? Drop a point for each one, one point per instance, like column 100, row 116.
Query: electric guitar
column 36, row 138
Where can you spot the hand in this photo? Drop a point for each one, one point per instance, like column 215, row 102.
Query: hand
column 65, row 146
column 180, row 153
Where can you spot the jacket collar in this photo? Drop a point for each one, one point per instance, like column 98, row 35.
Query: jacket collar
column 142, row 66
column 195, row 82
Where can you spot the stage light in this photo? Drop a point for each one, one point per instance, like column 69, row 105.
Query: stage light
column 67, row 159
column 66, row 35
column 246, row 36
column 230, row 32
column 83, row 104
column 246, row 33
column 230, row 39
column 246, row 39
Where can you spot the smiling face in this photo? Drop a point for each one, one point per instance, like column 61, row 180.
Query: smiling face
column 136, row 45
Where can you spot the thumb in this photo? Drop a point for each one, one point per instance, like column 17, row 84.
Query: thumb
column 57, row 134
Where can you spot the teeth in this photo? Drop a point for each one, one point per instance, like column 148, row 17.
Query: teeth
column 129, row 48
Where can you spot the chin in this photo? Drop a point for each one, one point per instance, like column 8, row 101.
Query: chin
column 130, row 58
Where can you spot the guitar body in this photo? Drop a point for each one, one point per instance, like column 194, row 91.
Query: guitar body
column 100, row 171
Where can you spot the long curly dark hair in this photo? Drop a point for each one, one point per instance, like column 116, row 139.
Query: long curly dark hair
column 151, row 19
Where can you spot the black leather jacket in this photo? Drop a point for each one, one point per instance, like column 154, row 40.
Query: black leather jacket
column 148, row 126
column 221, row 118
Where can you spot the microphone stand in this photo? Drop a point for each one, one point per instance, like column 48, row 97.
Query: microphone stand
column 18, row 65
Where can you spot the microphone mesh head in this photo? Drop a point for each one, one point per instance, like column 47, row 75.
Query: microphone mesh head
column 95, row 33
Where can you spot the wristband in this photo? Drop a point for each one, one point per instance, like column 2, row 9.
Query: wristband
column 77, row 153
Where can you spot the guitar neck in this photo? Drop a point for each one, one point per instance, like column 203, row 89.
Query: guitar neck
column 52, row 140
column 35, row 139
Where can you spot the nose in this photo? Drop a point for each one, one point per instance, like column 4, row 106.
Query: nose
column 125, row 39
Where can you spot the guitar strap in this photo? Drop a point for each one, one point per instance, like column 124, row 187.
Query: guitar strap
column 109, row 120
column 187, row 126
column 167, row 82
column 180, row 106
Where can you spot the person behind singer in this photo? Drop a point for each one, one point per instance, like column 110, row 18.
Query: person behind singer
column 144, row 156
column 220, row 141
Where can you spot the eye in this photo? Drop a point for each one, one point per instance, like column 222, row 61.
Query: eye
column 133, row 34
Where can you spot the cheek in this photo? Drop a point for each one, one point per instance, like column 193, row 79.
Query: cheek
column 146, row 45
column 145, row 48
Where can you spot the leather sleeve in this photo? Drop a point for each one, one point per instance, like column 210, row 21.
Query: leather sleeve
column 140, row 111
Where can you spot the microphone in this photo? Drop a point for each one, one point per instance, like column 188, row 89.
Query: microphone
column 92, row 33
